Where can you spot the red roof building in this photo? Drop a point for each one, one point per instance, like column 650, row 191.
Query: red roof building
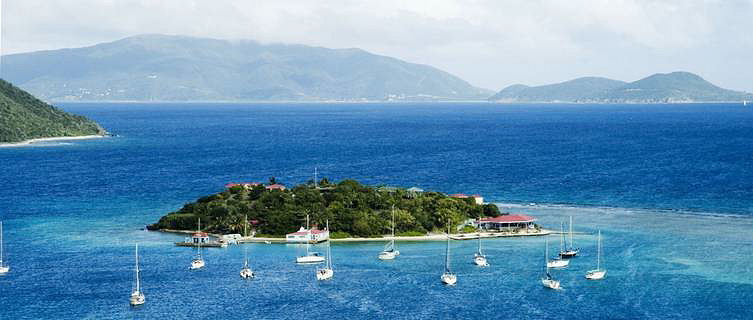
column 276, row 186
column 508, row 221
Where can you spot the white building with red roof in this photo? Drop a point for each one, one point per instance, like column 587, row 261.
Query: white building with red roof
column 304, row 235
column 506, row 222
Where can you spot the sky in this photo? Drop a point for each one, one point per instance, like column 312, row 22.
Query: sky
column 491, row 44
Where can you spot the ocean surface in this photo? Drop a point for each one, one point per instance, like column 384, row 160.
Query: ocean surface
column 669, row 186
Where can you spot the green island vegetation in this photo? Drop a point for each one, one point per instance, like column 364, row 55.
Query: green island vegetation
column 24, row 117
column 353, row 210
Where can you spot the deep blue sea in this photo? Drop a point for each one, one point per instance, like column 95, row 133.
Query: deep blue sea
column 670, row 186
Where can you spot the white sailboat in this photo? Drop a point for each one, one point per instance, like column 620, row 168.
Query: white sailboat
column 598, row 273
column 480, row 258
column 559, row 262
column 448, row 277
column 198, row 261
column 390, row 251
column 571, row 251
column 137, row 297
column 246, row 272
column 327, row 272
column 548, row 281
column 4, row 268
column 310, row 257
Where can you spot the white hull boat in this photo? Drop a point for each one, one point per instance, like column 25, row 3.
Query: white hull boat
column 480, row 258
column 390, row 251
column 246, row 273
column 571, row 251
column 197, row 264
column 551, row 283
column 326, row 273
column 558, row 263
column 137, row 297
column 313, row 257
column 598, row 273
column 449, row 278
column 388, row 255
column 548, row 281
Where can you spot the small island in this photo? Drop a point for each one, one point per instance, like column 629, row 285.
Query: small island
column 353, row 210
column 25, row 119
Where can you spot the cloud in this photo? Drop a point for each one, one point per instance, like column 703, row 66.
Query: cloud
column 489, row 43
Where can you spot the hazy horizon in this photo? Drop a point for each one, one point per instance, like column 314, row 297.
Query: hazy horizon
column 488, row 44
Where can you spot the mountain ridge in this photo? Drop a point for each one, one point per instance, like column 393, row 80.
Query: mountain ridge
column 673, row 87
column 156, row 67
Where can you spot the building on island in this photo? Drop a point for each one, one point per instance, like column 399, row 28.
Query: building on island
column 476, row 197
column 304, row 235
column 275, row 186
column 200, row 237
column 245, row 185
column 507, row 222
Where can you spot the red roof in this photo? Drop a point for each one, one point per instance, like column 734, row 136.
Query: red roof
column 314, row 231
column 458, row 195
column 200, row 235
column 509, row 218
column 275, row 187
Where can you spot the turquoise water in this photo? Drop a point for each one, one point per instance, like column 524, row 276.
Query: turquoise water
column 671, row 188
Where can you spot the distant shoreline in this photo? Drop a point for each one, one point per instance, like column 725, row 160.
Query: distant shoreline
column 48, row 139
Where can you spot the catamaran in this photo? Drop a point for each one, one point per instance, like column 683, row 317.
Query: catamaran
column 4, row 268
column 390, row 251
column 198, row 261
column 326, row 273
column 246, row 272
column 310, row 257
column 448, row 277
column 137, row 297
column 559, row 262
column 548, row 281
column 480, row 258
column 571, row 251
column 598, row 273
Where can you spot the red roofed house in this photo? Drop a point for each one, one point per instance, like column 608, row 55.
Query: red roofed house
column 307, row 235
column 506, row 222
column 276, row 187
column 202, row 237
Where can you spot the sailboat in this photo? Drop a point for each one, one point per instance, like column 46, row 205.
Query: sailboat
column 198, row 261
column 137, row 297
column 246, row 272
column 559, row 262
column 480, row 258
column 549, row 281
column 571, row 251
column 326, row 273
column 448, row 277
column 598, row 273
column 390, row 252
column 310, row 257
column 4, row 268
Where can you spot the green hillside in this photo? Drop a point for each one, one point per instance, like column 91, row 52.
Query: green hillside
column 23, row 117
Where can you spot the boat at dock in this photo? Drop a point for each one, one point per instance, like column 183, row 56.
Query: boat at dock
column 137, row 297
column 198, row 261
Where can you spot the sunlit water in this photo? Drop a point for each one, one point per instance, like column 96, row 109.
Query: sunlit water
column 671, row 188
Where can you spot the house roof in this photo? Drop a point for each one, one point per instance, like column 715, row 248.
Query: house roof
column 509, row 218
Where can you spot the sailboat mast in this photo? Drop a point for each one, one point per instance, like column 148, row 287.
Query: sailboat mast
column 546, row 254
column 138, row 282
column 1, row 244
column 447, row 253
column 598, row 254
column 245, row 248
column 329, row 251
column 562, row 237
column 198, row 248
column 571, row 233
column 479, row 243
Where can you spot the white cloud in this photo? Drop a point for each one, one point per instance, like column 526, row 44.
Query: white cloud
column 489, row 43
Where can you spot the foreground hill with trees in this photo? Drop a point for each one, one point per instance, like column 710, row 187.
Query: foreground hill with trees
column 24, row 117
column 352, row 209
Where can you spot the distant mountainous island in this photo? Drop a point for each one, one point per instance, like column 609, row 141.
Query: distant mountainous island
column 675, row 87
column 24, row 117
column 179, row 68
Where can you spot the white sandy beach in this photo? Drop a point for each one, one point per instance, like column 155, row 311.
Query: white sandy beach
column 37, row 140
